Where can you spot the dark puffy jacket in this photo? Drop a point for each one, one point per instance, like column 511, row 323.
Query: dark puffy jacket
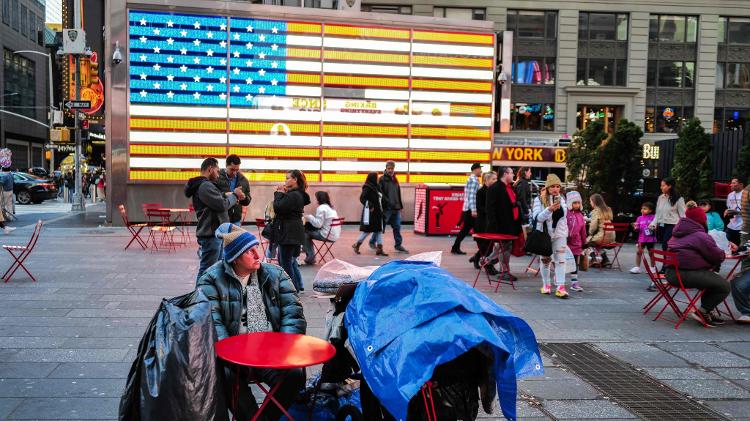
column 523, row 197
column 695, row 249
column 499, row 209
column 210, row 205
column 391, row 190
column 235, row 212
column 224, row 291
column 289, row 208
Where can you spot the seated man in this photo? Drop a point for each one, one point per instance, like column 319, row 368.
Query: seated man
column 248, row 296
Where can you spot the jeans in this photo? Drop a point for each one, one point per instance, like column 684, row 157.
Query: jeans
column 558, row 258
column 717, row 288
column 392, row 218
column 664, row 233
column 288, row 261
column 293, row 381
column 741, row 293
column 308, row 247
column 377, row 237
column 209, row 253
column 465, row 228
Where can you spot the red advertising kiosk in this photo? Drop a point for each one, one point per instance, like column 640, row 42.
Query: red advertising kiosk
column 438, row 208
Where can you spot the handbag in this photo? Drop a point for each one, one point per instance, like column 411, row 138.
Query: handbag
column 270, row 229
column 366, row 214
column 583, row 262
column 539, row 242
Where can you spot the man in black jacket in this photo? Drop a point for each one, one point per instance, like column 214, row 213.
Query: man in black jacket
column 392, row 205
column 211, row 207
column 229, row 179
column 503, row 214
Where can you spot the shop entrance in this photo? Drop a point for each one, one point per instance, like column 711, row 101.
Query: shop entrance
column 609, row 115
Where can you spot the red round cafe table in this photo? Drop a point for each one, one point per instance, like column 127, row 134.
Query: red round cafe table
column 497, row 241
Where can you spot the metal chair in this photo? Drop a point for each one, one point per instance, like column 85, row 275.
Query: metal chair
column 21, row 253
column 323, row 247
column 134, row 229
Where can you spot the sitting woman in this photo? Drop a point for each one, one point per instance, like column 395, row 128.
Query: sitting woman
column 697, row 255
column 318, row 226
column 601, row 214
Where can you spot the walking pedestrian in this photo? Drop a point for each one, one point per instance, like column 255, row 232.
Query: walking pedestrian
column 734, row 211
column 318, row 226
column 576, row 234
column 289, row 203
column 470, row 207
column 372, row 215
column 229, row 179
column 550, row 210
column 392, row 204
column 523, row 193
column 601, row 215
column 9, row 203
column 669, row 209
column 480, row 224
column 504, row 216
column 211, row 207
column 101, row 184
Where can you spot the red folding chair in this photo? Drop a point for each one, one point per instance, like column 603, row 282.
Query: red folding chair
column 671, row 294
column 21, row 253
column 161, row 222
column 146, row 207
column 323, row 247
column 620, row 230
column 529, row 268
column 135, row 229
column 261, row 223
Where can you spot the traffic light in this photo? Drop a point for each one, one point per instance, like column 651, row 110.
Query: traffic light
column 85, row 124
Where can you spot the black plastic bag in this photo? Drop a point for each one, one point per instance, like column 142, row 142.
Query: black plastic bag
column 176, row 375
column 539, row 242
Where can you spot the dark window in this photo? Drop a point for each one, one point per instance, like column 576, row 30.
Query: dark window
column 604, row 69
column 24, row 26
column 32, row 26
column 738, row 75
column 532, row 117
column 602, row 26
column 14, row 15
column 322, row 4
column 739, row 30
column 653, row 29
column 526, row 69
column 19, row 90
column 671, row 74
column 6, row 12
column 533, row 24
column 669, row 28
column 459, row 13
column 651, row 73
column 731, row 119
column 392, row 9
column 601, row 72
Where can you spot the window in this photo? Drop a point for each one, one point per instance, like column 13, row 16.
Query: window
column 532, row 117
column 722, row 30
column 40, row 31
column 737, row 31
column 606, row 68
column 392, row 9
column 533, row 71
column 667, row 118
column 14, row 15
column 532, row 24
column 666, row 28
column 738, row 75
column 731, row 119
column 602, row 26
column 32, row 26
column 6, row 12
column 670, row 74
column 322, row 4
column 24, row 26
column 459, row 13
column 601, row 72
column 19, row 90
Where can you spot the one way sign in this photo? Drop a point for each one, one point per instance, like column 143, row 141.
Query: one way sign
column 78, row 105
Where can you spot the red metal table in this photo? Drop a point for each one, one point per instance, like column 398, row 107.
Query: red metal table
column 497, row 243
column 273, row 350
column 179, row 219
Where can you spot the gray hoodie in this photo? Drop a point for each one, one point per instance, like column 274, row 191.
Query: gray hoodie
column 210, row 205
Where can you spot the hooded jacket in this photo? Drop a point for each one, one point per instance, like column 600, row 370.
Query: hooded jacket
column 695, row 249
column 289, row 208
column 210, row 205
column 391, row 190
column 224, row 291
column 235, row 212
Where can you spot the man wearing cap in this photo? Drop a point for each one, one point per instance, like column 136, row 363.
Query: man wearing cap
column 470, row 207
column 248, row 296
column 503, row 214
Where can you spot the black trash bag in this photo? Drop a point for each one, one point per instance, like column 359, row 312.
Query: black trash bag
column 176, row 375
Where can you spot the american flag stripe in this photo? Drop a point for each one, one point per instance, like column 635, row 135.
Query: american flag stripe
column 182, row 175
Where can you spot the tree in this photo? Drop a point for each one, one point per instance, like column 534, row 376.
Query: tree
column 742, row 168
column 692, row 162
column 622, row 165
column 584, row 164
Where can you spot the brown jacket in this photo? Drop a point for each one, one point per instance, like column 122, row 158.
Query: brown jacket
column 596, row 229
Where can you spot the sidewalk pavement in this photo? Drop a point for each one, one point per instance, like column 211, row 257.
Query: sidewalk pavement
column 67, row 341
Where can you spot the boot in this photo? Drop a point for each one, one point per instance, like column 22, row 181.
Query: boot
column 355, row 246
column 379, row 250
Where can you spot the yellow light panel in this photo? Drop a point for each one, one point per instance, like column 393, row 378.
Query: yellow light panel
column 451, row 85
column 333, row 129
column 175, row 150
column 451, row 132
column 454, row 37
column 379, row 82
column 304, row 78
column 137, row 123
column 344, row 178
column 428, row 60
column 295, row 152
column 365, row 154
column 265, row 127
column 370, row 56
column 365, row 32
column 450, row 156
column 437, row 178
column 304, row 27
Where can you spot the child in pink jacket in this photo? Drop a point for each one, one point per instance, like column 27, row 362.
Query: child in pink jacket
column 576, row 233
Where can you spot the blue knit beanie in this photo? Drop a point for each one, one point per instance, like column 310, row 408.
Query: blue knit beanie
column 236, row 240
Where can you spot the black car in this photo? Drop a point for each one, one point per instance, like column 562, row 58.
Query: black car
column 32, row 189
column 39, row 172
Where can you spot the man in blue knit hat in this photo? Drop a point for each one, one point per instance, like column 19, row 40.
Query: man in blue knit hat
column 249, row 296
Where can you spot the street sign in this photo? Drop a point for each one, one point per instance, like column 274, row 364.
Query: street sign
column 78, row 105
column 74, row 41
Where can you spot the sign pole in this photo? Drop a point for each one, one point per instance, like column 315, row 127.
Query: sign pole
column 78, row 205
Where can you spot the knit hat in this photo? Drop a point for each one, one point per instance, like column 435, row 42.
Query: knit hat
column 552, row 180
column 697, row 215
column 236, row 240
column 573, row 196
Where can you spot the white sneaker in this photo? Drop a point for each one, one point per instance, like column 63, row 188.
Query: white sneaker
column 635, row 270
column 8, row 229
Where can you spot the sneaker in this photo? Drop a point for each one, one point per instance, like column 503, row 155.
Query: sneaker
column 546, row 289
column 8, row 230
column 561, row 292
column 635, row 270
column 401, row 249
column 694, row 315
column 575, row 286
column 744, row 319
column 716, row 318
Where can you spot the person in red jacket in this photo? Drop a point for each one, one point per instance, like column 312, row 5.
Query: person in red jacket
column 697, row 255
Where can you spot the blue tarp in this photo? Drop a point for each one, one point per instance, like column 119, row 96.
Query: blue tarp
column 409, row 317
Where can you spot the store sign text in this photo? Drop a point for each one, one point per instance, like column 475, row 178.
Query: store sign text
column 532, row 154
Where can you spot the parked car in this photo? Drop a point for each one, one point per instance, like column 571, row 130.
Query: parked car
column 32, row 189
column 39, row 172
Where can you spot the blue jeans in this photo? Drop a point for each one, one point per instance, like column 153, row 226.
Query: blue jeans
column 288, row 261
column 741, row 293
column 209, row 253
column 392, row 218
column 377, row 237
column 309, row 247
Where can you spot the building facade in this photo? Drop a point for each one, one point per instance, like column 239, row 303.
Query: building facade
column 24, row 96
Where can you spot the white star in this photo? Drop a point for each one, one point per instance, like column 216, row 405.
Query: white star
column 236, row 88
column 197, row 25
column 249, row 28
column 183, row 33
column 223, row 61
column 170, row 78
column 274, row 47
column 248, row 97
column 143, row 22
column 197, row 79
column 143, row 38
column 222, row 96
column 197, row 60
column 183, row 51
column 275, row 30
column 236, row 36
column 170, row 59
column 222, row 79
column 249, row 81
column 183, row 68
column 261, row 37
column 170, row 23
column 210, row 34
column 249, row 63
column 209, row 69
column 143, row 76
column 236, row 71
column 170, row 41
column 157, row 31
column 210, row 88
column 157, row 67
column 210, row 53
column 262, row 72
column 157, row 50
column 183, row 86
column 143, row 57
column 197, row 42
column 274, row 82
column 274, row 64
column 236, row 54
column 261, row 90
column 222, row 27
column 157, row 85
column 143, row 94
column 249, row 45
column 197, row 95
column 262, row 55
column 223, row 44
column 170, row 94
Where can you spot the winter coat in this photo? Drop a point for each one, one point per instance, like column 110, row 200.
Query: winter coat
column 499, row 210
column 480, row 223
column 391, row 190
column 596, row 229
column 224, row 291
column 374, row 198
column 523, row 196
column 210, row 205
column 714, row 221
column 324, row 216
column 695, row 249
column 289, row 208
column 576, row 231
column 544, row 216
column 666, row 213
column 235, row 212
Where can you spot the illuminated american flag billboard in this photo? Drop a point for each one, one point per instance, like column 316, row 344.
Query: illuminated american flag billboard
column 333, row 100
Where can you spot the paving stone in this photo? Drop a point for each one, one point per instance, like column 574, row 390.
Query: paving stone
column 741, row 348
column 709, row 389
column 559, row 389
column 735, row 409
column 41, row 388
column 26, row 370
column 641, row 355
column 66, row 408
column 553, row 373
column 91, row 371
column 686, row 346
column 97, row 343
column 733, row 373
column 68, row 355
column 683, row 373
column 580, row 409
column 715, row 359
column 7, row 405
column 31, row 342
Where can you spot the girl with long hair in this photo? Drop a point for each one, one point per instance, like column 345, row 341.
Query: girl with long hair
column 372, row 214
column 601, row 214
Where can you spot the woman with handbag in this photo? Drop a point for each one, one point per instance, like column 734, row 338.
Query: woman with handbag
column 550, row 215
column 289, row 203
column 372, row 214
